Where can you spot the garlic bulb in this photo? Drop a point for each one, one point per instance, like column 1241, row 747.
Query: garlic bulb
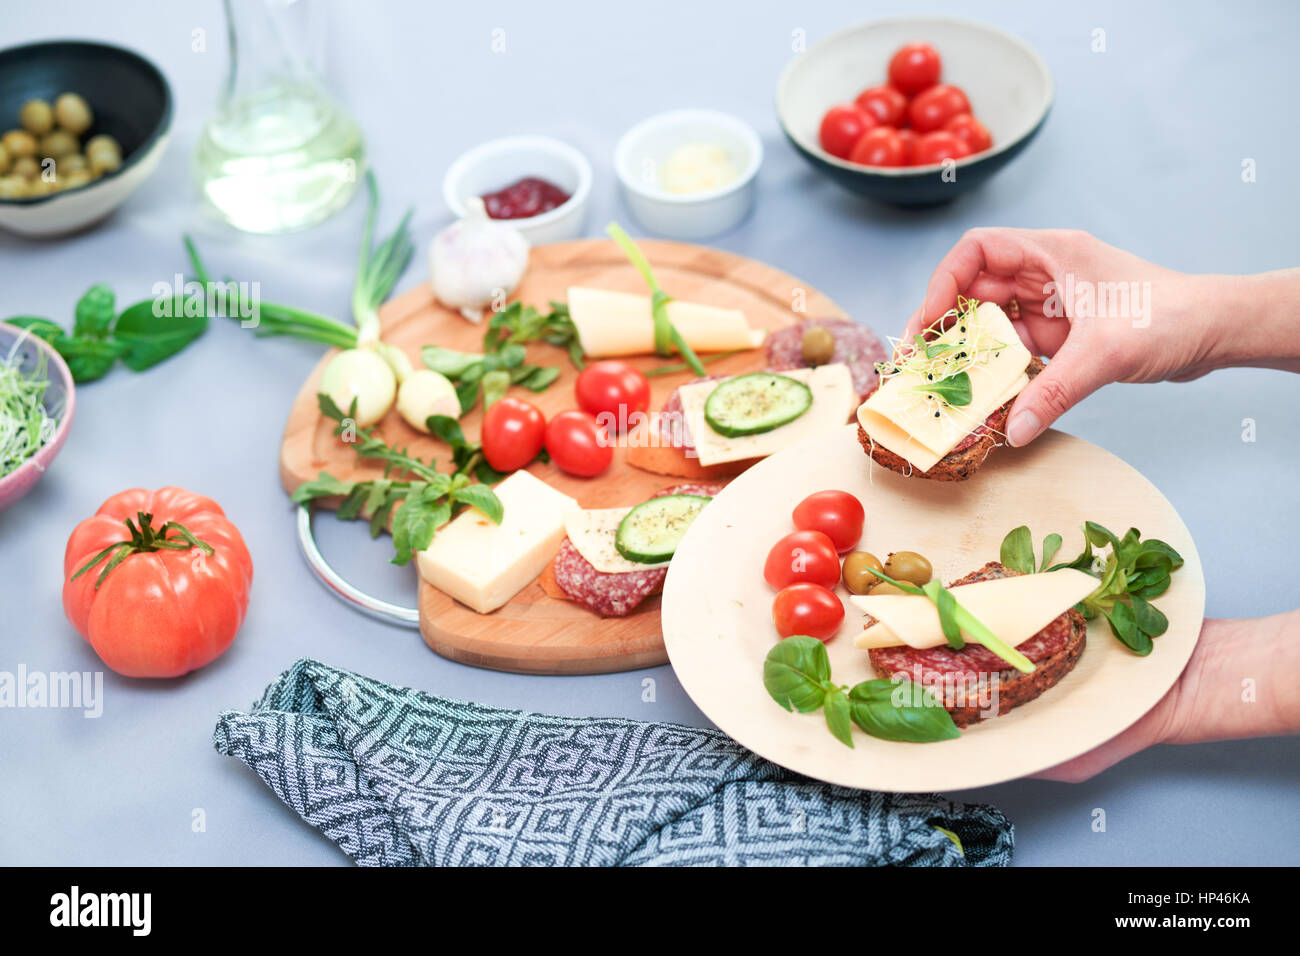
column 476, row 260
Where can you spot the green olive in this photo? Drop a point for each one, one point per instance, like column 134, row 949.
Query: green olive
column 19, row 143
column 908, row 566
column 4, row 160
column 857, row 578
column 73, row 163
column 73, row 113
column 26, row 167
column 36, row 117
column 12, row 187
column 58, row 144
column 884, row 587
column 103, row 154
column 818, row 345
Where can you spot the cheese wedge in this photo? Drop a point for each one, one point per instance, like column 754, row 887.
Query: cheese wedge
column 833, row 401
column 621, row 323
column 899, row 418
column 483, row 565
column 592, row 532
column 1014, row 608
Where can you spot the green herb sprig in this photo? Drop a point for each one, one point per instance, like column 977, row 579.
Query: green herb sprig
column 1132, row 575
column 518, row 324
column 797, row 675
column 412, row 493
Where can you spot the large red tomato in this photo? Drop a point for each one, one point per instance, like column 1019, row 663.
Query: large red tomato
column 157, row 581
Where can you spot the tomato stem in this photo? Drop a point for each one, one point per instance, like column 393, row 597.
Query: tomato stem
column 172, row 536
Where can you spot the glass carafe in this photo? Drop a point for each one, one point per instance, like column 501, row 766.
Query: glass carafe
column 279, row 154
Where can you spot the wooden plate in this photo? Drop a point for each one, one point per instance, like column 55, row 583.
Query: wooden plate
column 717, row 608
column 537, row 633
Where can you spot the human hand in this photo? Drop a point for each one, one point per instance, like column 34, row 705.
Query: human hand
column 1102, row 314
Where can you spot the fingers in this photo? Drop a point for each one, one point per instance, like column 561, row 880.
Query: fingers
column 1068, row 379
column 983, row 265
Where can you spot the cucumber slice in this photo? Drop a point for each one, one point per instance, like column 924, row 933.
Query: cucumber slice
column 756, row 403
column 650, row 532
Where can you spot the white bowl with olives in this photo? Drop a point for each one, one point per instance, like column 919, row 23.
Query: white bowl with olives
column 81, row 126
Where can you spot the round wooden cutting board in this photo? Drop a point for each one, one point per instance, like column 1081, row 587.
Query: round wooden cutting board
column 718, row 623
column 537, row 633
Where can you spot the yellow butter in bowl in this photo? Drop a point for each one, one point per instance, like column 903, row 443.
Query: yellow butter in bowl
column 697, row 168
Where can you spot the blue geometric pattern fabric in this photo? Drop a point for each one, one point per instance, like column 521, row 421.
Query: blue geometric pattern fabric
column 399, row 777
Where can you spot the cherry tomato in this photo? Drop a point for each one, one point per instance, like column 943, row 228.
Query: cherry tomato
column 935, row 107
column 577, row 444
column 908, row 137
column 913, row 68
column 885, row 103
column 881, row 146
column 807, row 609
column 512, row 433
column 842, row 126
column 802, row 556
column 836, row 514
column 936, row 147
column 614, row 392
column 970, row 130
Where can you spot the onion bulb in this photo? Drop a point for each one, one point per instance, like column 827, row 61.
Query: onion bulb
column 423, row 393
column 363, row 375
column 475, row 261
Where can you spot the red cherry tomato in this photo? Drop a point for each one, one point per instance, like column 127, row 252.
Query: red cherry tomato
column 614, row 392
column 881, row 146
column 512, row 433
column 885, row 103
column 913, row 68
column 938, row 146
column 935, row 107
column 836, row 514
column 807, row 609
column 577, row 444
column 971, row 131
column 908, row 137
column 842, row 126
column 802, row 556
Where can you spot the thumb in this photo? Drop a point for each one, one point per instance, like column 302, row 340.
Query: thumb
column 1067, row 379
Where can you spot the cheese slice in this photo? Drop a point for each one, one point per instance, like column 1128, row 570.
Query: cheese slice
column 833, row 401
column 899, row 417
column 592, row 532
column 483, row 565
column 1014, row 608
column 621, row 323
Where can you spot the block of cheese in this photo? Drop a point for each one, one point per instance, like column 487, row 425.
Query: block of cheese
column 592, row 532
column 834, row 399
column 483, row 565
column 898, row 416
column 621, row 323
column 1014, row 608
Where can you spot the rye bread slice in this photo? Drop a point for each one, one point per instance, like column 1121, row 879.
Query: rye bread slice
column 964, row 460
column 1054, row 655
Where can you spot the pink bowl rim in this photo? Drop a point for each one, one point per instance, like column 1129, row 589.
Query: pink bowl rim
column 44, row 455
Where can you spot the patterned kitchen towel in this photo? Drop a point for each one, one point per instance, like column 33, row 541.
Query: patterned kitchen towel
column 399, row 777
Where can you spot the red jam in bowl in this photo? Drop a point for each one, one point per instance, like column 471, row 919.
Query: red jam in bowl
column 528, row 197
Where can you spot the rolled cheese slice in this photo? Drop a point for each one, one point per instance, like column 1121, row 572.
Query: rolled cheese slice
column 1014, row 608
column 899, row 418
column 621, row 323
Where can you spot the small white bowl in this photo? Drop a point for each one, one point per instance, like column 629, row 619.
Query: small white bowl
column 647, row 146
column 498, row 163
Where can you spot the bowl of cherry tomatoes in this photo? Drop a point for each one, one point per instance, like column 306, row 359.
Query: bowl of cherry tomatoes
column 914, row 111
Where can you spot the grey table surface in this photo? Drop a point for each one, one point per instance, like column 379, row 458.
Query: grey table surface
column 1143, row 148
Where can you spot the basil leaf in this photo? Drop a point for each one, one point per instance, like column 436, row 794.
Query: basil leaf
column 902, row 711
column 794, row 672
column 1150, row 619
column 1017, row 550
column 94, row 312
column 151, row 338
column 1051, row 545
column 415, row 522
column 41, row 328
column 954, row 390
column 88, row 359
column 481, row 497
column 838, row 720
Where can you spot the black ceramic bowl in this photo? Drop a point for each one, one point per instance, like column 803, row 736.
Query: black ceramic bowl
column 130, row 100
column 1008, row 84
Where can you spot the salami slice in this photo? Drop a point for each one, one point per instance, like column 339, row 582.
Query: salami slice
column 855, row 345
column 615, row 595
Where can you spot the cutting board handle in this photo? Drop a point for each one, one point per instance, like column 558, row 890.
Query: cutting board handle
column 347, row 593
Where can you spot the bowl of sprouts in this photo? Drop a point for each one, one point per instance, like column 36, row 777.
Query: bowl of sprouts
column 36, row 404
